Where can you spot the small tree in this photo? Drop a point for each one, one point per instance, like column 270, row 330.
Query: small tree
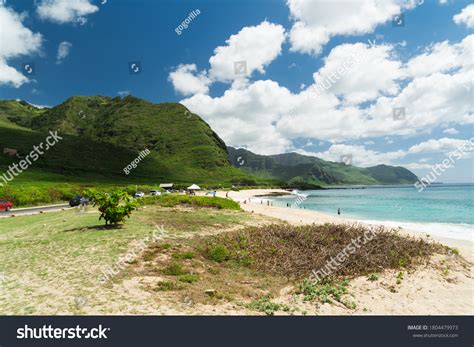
column 114, row 207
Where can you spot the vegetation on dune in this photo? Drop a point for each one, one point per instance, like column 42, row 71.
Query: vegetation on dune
column 295, row 251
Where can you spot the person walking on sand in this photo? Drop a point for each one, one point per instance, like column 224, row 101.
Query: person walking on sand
column 338, row 211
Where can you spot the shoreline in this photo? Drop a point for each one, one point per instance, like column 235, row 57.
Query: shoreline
column 307, row 216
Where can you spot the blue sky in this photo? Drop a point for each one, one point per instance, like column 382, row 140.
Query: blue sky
column 290, row 50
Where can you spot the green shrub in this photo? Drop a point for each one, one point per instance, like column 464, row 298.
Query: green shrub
column 114, row 207
column 184, row 255
column 174, row 269
column 265, row 305
column 326, row 290
column 188, row 278
column 218, row 253
column 372, row 276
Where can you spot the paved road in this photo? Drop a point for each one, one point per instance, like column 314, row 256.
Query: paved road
column 32, row 210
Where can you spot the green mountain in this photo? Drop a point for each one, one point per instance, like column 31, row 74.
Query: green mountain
column 103, row 135
column 301, row 171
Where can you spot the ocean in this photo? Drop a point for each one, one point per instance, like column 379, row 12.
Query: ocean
column 442, row 209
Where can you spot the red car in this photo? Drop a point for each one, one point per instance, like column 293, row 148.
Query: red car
column 5, row 205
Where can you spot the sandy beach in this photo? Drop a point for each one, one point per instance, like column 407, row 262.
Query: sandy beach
column 426, row 291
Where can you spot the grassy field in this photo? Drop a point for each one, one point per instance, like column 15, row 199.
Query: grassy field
column 50, row 263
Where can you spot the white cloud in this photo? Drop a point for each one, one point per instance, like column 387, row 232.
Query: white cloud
column 451, row 131
column 466, row 16
column 443, row 57
column 187, row 81
column 257, row 45
column 417, row 166
column 245, row 116
column 444, row 145
column 66, row 11
column 315, row 22
column 360, row 155
column 63, row 51
column 123, row 93
column 16, row 40
column 359, row 72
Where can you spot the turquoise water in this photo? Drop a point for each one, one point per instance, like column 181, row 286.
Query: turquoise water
column 447, row 208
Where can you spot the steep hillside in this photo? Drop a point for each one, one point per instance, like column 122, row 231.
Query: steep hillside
column 168, row 129
column 304, row 171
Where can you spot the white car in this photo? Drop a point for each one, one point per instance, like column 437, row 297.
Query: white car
column 155, row 192
column 139, row 195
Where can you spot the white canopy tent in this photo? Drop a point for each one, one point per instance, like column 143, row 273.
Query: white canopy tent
column 194, row 187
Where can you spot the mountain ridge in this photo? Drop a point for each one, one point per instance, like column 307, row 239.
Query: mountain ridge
column 300, row 170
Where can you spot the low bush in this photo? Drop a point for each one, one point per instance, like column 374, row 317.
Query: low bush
column 174, row 269
column 172, row 200
column 264, row 304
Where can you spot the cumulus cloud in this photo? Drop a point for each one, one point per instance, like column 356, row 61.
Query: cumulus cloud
column 245, row 116
column 360, row 155
column 257, row 45
column 16, row 40
column 66, row 11
column 250, row 50
column 187, row 81
column 466, row 17
column 315, row 22
column 451, row 131
column 443, row 57
column 444, row 145
column 63, row 51
column 359, row 72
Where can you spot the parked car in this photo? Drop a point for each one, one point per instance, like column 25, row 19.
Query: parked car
column 155, row 192
column 79, row 200
column 139, row 195
column 5, row 205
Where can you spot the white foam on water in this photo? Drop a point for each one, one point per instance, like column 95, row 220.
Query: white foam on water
column 453, row 231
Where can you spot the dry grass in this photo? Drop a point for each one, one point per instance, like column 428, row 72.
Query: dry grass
column 294, row 251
